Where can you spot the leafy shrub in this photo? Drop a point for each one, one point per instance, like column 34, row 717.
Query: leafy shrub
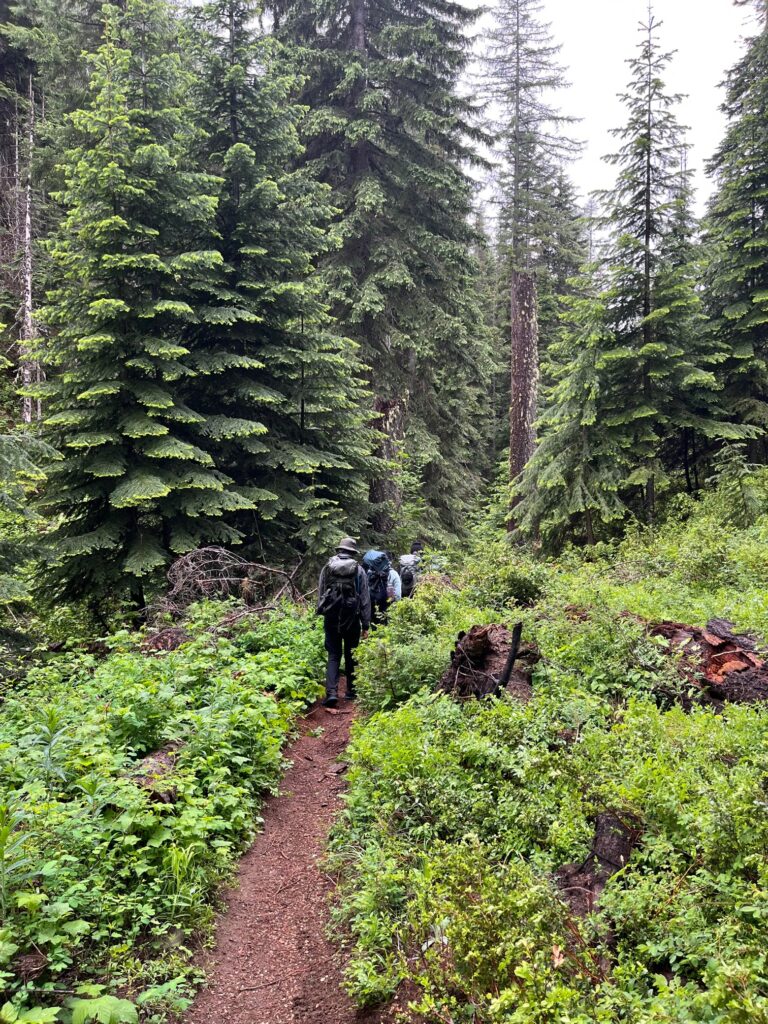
column 458, row 816
column 502, row 575
column 97, row 875
column 413, row 650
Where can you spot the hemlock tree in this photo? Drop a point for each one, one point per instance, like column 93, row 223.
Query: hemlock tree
column 661, row 361
column 136, row 485
column 737, row 237
column 538, row 240
column 574, row 478
column 695, row 405
column 283, row 408
column 388, row 130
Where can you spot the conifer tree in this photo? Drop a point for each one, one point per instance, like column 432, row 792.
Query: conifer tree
column 283, row 411
column 132, row 256
column 42, row 78
column 660, row 362
column 737, row 236
column 635, row 392
column 18, row 199
column 572, row 483
column 388, row 130
column 538, row 233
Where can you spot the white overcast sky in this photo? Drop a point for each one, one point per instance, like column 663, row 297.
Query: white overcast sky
column 597, row 37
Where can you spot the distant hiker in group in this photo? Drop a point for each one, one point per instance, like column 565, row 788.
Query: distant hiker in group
column 409, row 568
column 344, row 602
column 383, row 584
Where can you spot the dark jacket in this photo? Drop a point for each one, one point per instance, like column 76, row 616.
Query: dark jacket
column 362, row 589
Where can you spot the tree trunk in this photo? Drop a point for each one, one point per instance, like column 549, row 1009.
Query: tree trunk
column 590, row 527
column 525, row 373
column 357, row 22
column 29, row 369
column 687, row 462
column 385, row 492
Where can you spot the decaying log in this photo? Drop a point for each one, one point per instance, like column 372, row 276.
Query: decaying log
column 719, row 664
column 615, row 838
column 483, row 663
column 153, row 773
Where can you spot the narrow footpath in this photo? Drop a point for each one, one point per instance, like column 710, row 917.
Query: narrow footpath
column 272, row 963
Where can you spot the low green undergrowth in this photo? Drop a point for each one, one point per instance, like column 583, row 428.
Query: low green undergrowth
column 109, row 864
column 458, row 817
column 410, row 653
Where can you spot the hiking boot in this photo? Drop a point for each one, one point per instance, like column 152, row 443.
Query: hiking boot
column 331, row 700
column 351, row 693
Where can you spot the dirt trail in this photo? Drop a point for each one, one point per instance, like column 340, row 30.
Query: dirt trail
column 272, row 963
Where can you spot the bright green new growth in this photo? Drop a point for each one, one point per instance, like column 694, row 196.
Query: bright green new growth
column 136, row 485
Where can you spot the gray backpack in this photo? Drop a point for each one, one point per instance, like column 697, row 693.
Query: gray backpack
column 341, row 598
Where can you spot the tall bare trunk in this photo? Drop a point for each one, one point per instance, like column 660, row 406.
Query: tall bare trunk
column 29, row 369
column 589, row 523
column 525, row 373
column 385, row 493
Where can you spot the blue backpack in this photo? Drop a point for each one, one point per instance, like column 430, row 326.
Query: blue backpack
column 377, row 566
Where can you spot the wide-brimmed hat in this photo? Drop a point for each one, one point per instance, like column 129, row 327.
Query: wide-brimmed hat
column 348, row 545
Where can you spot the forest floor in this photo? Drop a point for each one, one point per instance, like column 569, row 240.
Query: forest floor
column 272, row 962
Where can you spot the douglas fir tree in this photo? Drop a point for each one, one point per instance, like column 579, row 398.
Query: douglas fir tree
column 388, row 131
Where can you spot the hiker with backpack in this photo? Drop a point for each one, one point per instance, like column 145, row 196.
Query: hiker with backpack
column 344, row 602
column 409, row 568
column 383, row 584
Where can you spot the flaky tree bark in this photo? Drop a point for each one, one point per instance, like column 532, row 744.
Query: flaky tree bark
column 525, row 373
column 386, row 496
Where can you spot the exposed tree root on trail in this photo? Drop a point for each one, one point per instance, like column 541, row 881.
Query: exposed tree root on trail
column 272, row 963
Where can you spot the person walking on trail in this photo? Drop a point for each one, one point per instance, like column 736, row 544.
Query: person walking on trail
column 383, row 584
column 344, row 602
column 409, row 568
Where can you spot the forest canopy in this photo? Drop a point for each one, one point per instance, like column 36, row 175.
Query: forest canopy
column 271, row 272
